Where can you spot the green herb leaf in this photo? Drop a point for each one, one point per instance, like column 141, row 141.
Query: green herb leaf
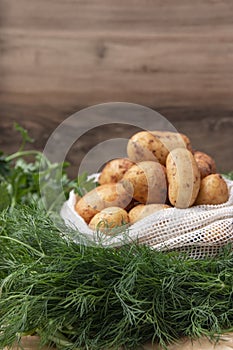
column 4, row 166
column 24, row 134
column 81, row 296
column 229, row 175
column 84, row 184
column 5, row 199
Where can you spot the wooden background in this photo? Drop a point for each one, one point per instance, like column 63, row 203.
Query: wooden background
column 176, row 56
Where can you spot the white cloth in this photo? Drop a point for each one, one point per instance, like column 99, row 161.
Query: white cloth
column 200, row 230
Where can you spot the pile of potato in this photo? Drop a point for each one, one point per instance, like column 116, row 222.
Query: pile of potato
column 161, row 171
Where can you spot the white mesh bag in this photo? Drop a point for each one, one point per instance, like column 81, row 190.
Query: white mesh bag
column 200, row 230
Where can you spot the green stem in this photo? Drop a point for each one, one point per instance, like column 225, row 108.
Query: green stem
column 60, row 340
column 42, row 255
column 20, row 154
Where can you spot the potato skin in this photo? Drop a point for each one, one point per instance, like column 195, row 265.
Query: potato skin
column 102, row 197
column 205, row 163
column 183, row 178
column 148, row 182
column 187, row 142
column 109, row 218
column 155, row 145
column 141, row 211
column 141, row 147
column 166, row 141
column 114, row 170
column 213, row 190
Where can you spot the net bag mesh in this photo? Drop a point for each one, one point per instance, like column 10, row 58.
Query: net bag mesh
column 200, row 230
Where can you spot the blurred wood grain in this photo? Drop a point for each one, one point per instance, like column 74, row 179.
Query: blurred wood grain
column 224, row 343
column 57, row 57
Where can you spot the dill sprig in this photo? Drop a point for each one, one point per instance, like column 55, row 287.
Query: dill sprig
column 83, row 296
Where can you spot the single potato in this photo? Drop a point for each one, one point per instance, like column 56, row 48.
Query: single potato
column 108, row 219
column 114, row 170
column 213, row 190
column 141, row 147
column 102, row 197
column 147, row 181
column 166, row 141
column 141, row 211
column 183, row 178
column 205, row 163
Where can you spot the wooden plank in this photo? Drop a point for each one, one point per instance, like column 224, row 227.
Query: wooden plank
column 154, row 53
column 174, row 56
column 117, row 15
column 30, row 343
column 225, row 343
column 176, row 71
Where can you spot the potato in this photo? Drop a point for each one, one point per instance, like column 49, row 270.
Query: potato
column 147, row 180
column 155, row 145
column 187, row 142
column 141, row 211
column 109, row 218
column 205, row 163
column 114, row 170
column 102, row 197
column 141, row 147
column 183, row 178
column 213, row 190
column 170, row 140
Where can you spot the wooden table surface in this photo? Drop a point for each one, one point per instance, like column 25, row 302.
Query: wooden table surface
column 32, row 343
